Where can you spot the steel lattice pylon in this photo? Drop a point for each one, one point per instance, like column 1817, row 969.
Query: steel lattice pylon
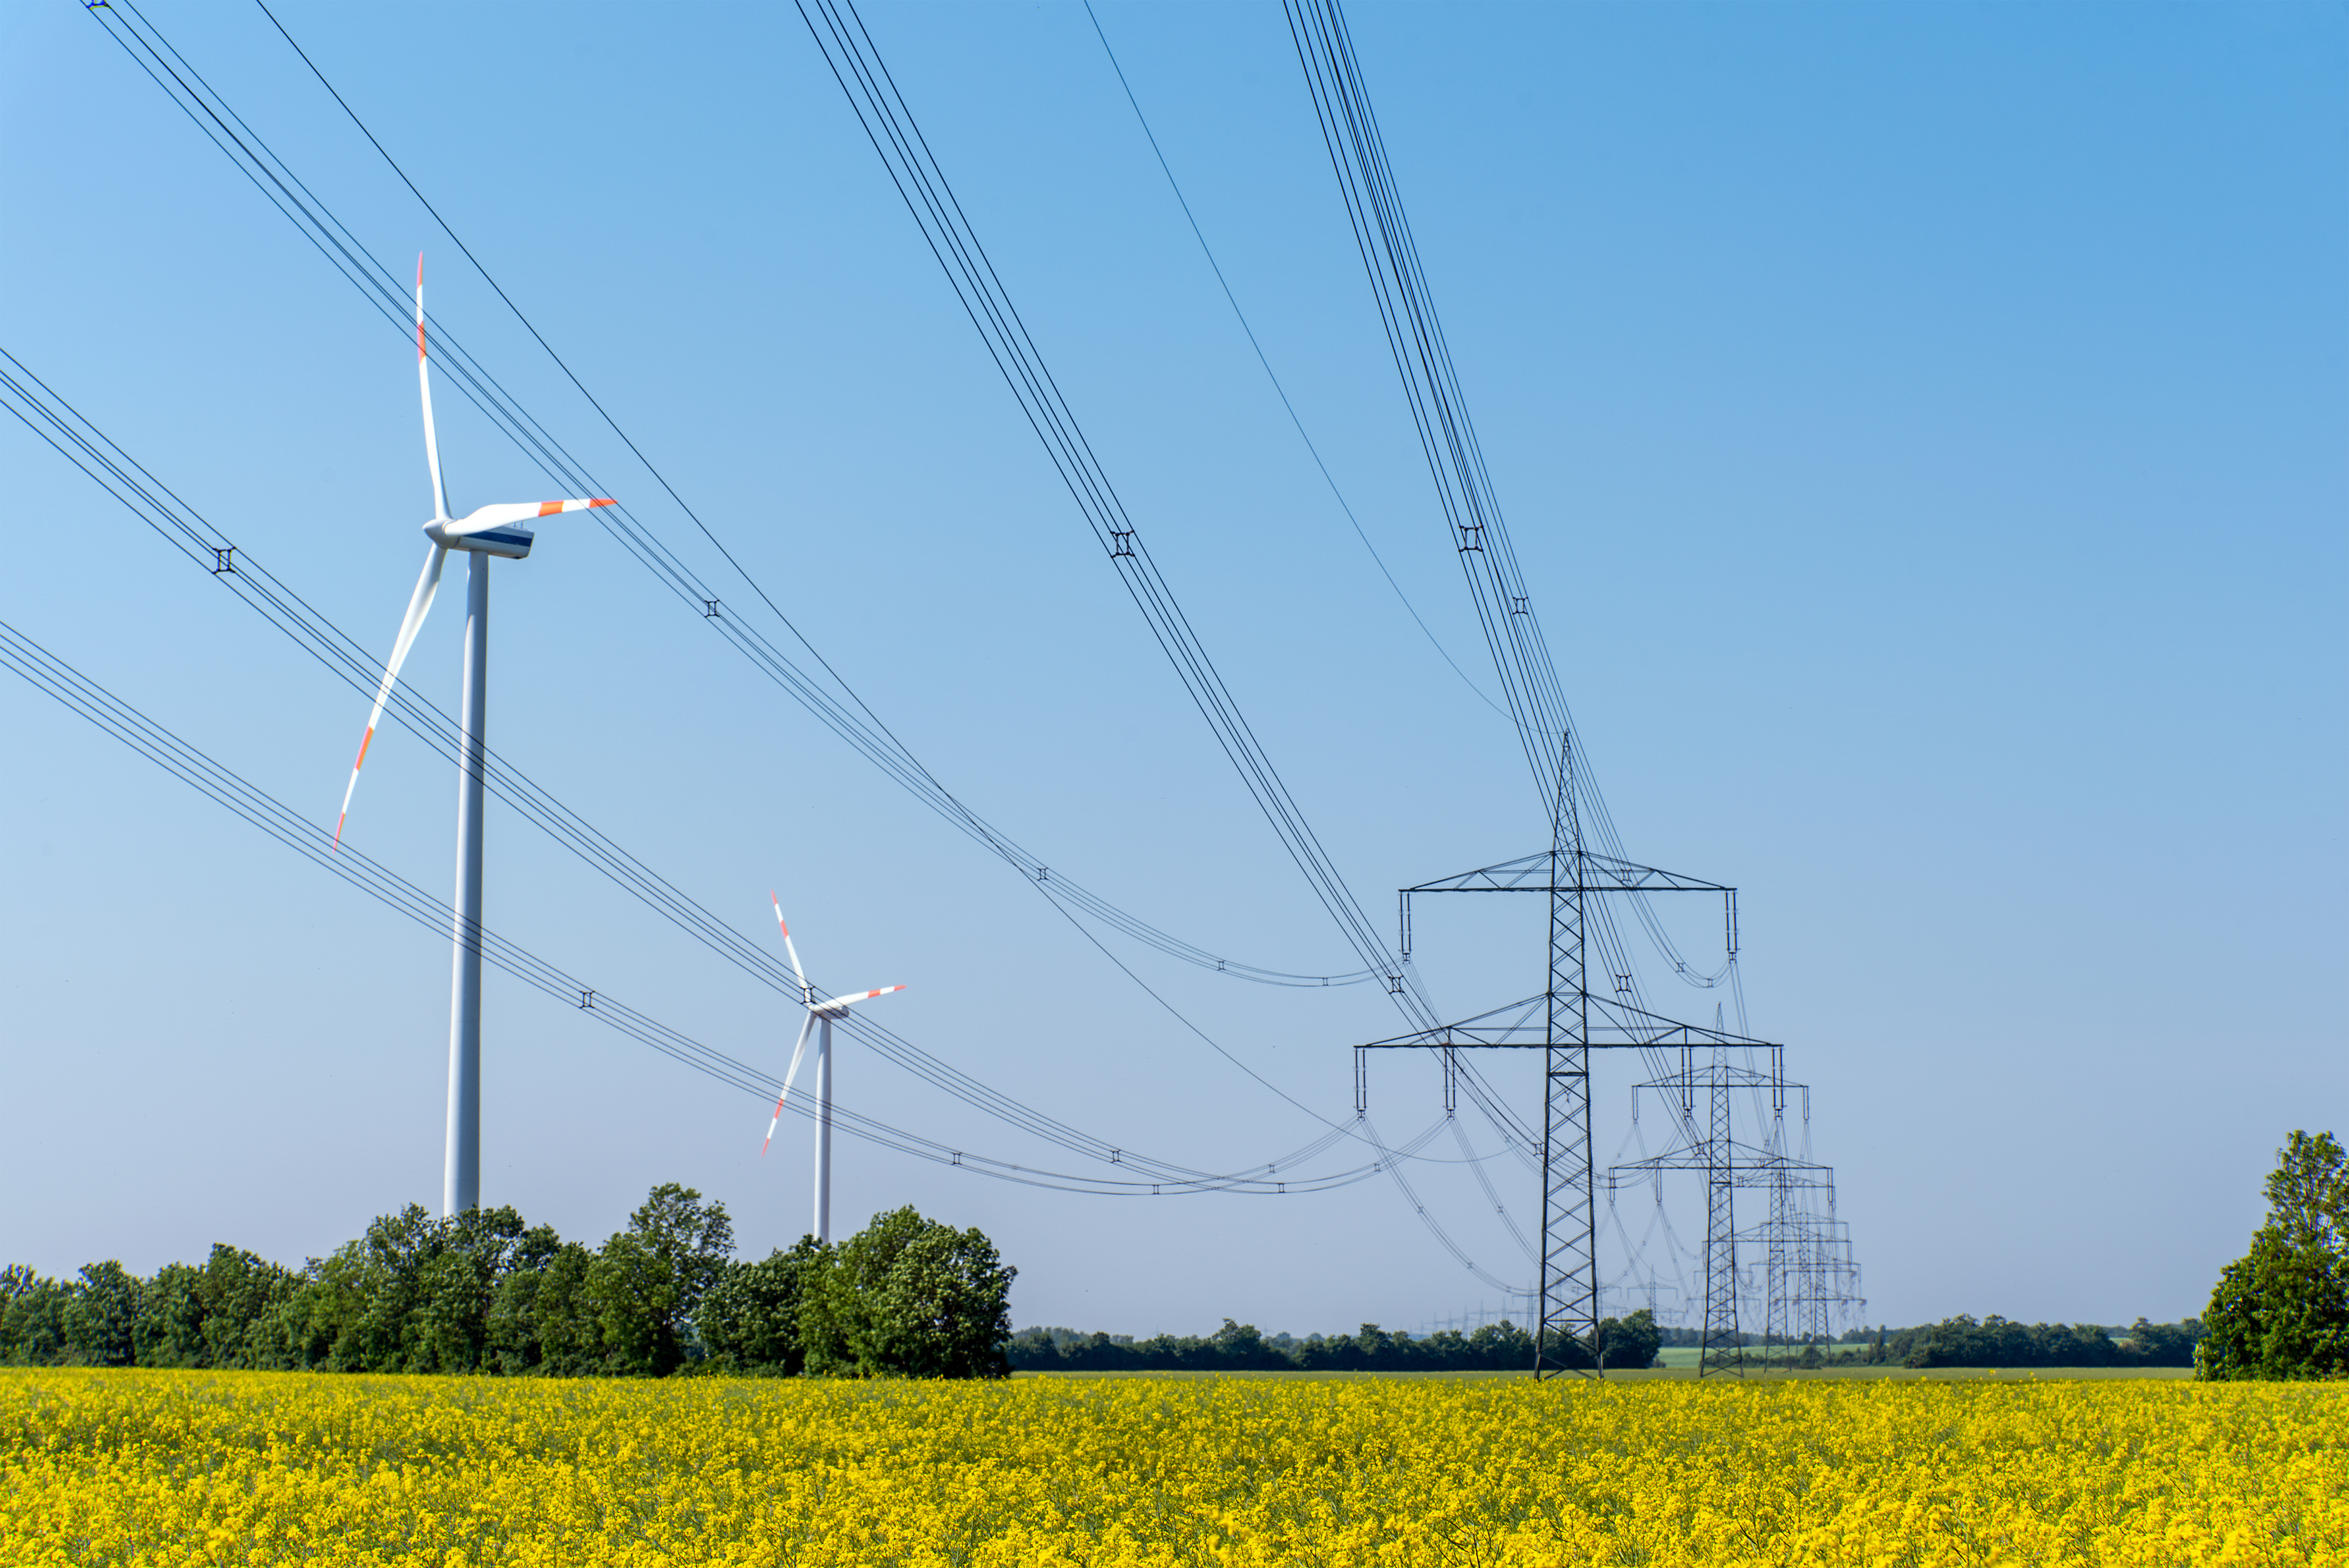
column 1566, row 1023
column 1808, row 1271
column 1721, row 1338
column 1570, row 1232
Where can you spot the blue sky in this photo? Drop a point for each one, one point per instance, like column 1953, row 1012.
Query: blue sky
column 1922, row 426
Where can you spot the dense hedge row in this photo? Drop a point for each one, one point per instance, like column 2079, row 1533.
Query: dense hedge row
column 1998, row 1341
column 1240, row 1348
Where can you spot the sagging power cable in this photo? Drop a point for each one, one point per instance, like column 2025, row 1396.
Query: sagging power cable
column 1295, row 419
column 44, row 411
column 1464, row 485
column 889, row 125
column 82, row 696
column 335, row 243
column 826, row 696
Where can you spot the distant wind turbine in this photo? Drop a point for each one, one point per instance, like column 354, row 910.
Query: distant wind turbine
column 819, row 1018
column 498, row 530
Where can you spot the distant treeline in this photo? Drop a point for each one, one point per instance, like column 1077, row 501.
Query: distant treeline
column 484, row 1292
column 1992, row 1342
column 1628, row 1342
column 1996, row 1342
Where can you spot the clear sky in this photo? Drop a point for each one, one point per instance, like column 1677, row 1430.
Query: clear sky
column 1923, row 427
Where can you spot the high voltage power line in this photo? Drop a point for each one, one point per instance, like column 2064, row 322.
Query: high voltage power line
column 1455, row 462
column 844, row 713
column 1056, row 427
column 41, row 409
column 79, row 694
column 1798, row 1236
column 913, row 169
column 1278, row 390
column 889, row 123
column 55, row 422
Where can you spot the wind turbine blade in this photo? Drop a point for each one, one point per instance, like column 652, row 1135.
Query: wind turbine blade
column 424, row 386
column 851, row 1000
column 798, row 973
column 419, row 604
column 797, row 1052
column 506, row 512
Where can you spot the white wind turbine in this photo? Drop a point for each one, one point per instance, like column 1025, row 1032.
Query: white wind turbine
column 820, row 1015
column 498, row 530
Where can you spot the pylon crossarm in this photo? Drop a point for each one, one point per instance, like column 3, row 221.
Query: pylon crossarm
column 1600, row 873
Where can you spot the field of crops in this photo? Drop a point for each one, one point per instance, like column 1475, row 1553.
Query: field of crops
column 258, row 1468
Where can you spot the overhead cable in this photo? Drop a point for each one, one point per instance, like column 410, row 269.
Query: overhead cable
column 383, row 289
column 826, row 696
column 1280, row 391
column 40, row 408
column 1479, row 530
column 79, row 694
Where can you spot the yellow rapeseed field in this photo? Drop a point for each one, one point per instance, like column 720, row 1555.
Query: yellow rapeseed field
column 263, row 1467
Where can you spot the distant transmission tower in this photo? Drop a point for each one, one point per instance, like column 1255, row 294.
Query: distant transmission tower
column 1808, row 1275
column 1568, row 1022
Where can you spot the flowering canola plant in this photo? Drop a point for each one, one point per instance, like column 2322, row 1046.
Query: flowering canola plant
column 207, row 1467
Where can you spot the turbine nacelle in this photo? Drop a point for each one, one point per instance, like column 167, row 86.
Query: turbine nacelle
column 501, row 529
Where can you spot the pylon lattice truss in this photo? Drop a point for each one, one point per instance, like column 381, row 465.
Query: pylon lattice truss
column 1810, row 1277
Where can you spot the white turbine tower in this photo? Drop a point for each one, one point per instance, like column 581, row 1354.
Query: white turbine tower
column 820, row 1015
column 498, row 530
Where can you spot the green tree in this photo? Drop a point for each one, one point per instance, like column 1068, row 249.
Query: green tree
column 101, row 1315
column 297, row 1333
column 239, row 1293
column 538, row 1319
column 648, row 1279
column 750, row 1319
column 910, row 1297
column 456, row 1284
column 366, row 1293
column 2281, row 1311
column 570, row 1331
column 32, row 1317
column 1629, row 1343
column 1240, row 1347
column 171, row 1327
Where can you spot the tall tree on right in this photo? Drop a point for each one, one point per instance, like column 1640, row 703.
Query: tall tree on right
column 2281, row 1311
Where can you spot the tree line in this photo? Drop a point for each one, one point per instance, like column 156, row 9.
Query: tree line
column 484, row 1292
column 1994, row 1341
column 1629, row 1341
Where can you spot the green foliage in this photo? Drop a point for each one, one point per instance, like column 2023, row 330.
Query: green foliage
column 1629, row 1341
column 457, row 1283
column 907, row 1297
column 649, row 1278
column 1997, row 1342
column 539, row 1320
column 101, row 1316
column 32, row 1317
column 483, row 1293
column 169, row 1331
column 2163, row 1343
column 216, row 1315
column 1242, row 1347
column 749, row 1322
column 2281, row 1311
